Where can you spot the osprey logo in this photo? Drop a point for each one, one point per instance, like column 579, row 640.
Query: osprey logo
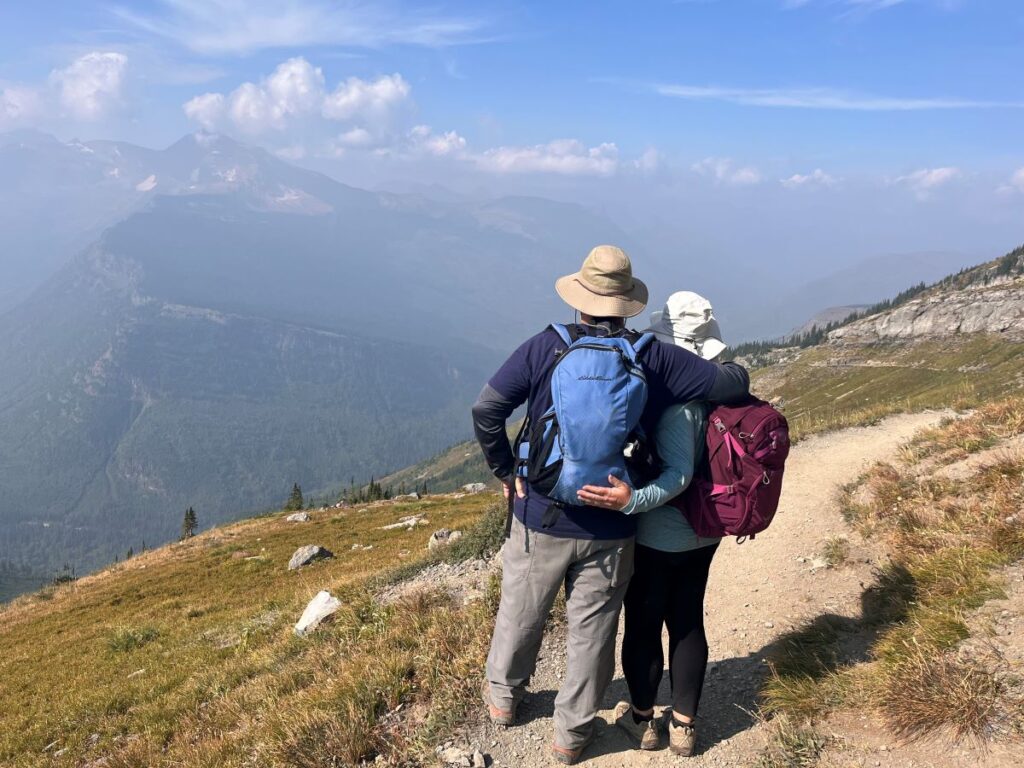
column 593, row 378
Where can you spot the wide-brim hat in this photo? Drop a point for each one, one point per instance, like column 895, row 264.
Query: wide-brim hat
column 688, row 320
column 604, row 286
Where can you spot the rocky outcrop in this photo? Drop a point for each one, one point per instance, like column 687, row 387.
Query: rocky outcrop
column 996, row 308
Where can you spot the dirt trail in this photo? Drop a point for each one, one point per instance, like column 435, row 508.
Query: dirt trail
column 758, row 592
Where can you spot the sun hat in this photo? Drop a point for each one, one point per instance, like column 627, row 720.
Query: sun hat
column 688, row 321
column 604, row 286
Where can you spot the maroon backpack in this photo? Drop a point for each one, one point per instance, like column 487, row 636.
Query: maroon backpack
column 736, row 490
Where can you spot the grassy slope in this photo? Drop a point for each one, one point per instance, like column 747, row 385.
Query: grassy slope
column 209, row 622
column 828, row 387
column 946, row 537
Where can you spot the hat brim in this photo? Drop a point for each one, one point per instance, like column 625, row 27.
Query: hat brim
column 578, row 296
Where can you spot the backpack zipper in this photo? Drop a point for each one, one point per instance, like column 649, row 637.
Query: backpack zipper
column 634, row 369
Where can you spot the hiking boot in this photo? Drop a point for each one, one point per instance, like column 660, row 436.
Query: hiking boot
column 500, row 717
column 682, row 737
column 645, row 732
column 567, row 756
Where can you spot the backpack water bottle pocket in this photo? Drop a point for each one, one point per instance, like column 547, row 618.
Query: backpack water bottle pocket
column 544, row 463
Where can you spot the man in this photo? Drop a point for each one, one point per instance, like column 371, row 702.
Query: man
column 589, row 549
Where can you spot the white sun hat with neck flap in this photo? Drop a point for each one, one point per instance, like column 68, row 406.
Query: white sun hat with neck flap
column 688, row 321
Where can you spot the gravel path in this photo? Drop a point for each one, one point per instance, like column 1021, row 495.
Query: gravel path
column 758, row 591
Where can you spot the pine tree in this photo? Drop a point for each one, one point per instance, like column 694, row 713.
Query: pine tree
column 188, row 524
column 295, row 501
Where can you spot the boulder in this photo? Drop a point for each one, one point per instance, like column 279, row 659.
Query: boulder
column 298, row 517
column 474, row 487
column 442, row 538
column 319, row 608
column 407, row 497
column 307, row 554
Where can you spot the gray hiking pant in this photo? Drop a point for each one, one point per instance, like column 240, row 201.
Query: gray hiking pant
column 595, row 573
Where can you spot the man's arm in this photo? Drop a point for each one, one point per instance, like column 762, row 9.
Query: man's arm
column 731, row 384
column 490, row 412
column 690, row 377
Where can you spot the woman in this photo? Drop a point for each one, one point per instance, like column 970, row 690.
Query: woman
column 671, row 561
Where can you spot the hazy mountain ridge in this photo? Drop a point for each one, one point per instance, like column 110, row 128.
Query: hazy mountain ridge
column 121, row 409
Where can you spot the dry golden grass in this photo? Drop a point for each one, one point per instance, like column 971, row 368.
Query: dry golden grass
column 946, row 539
column 185, row 655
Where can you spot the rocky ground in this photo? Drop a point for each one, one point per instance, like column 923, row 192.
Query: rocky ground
column 758, row 592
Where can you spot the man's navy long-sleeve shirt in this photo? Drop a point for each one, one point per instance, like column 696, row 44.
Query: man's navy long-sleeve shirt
column 674, row 375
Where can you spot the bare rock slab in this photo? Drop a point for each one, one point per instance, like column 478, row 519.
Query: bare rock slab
column 298, row 517
column 320, row 607
column 474, row 487
column 308, row 554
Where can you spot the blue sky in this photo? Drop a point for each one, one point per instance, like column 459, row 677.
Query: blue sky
column 908, row 105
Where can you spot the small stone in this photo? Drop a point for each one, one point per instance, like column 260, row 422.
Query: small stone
column 61, row 752
column 769, row 625
column 319, row 608
column 479, row 759
column 307, row 554
column 442, row 538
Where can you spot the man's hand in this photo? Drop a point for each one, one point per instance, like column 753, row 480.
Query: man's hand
column 615, row 497
column 520, row 488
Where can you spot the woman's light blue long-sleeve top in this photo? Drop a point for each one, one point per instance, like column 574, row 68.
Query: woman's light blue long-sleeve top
column 679, row 439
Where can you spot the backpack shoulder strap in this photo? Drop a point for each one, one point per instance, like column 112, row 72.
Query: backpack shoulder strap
column 642, row 342
column 567, row 335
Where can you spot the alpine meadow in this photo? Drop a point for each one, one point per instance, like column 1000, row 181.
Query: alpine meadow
column 511, row 384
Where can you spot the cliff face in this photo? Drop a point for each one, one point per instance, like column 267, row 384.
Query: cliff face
column 994, row 308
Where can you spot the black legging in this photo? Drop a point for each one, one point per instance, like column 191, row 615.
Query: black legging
column 667, row 588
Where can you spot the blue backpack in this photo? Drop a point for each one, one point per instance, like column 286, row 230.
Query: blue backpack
column 598, row 392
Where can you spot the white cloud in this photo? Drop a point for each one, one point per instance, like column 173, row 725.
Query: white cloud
column 206, row 109
column 368, row 99
column 240, row 27
column 649, row 161
column 91, row 84
column 1014, row 185
column 565, row 156
column 819, row 98
column 18, row 105
column 927, row 180
column 296, row 92
column 816, row 178
column 355, row 137
column 724, row 171
column 444, row 144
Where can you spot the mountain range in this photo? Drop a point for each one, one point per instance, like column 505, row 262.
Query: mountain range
column 206, row 324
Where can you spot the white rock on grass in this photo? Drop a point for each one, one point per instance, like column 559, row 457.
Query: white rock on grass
column 442, row 538
column 298, row 517
column 474, row 487
column 409, row 521
column 407, row 496
column 319, row 608
column 307, row 554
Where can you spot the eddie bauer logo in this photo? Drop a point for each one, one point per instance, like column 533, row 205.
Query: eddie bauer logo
column 593, row 378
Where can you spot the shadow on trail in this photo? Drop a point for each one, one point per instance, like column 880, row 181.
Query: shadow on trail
column 732, row 689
